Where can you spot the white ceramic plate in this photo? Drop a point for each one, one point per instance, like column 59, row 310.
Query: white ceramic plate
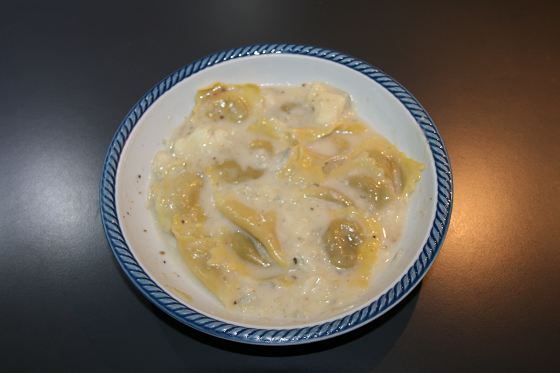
column 166, row 280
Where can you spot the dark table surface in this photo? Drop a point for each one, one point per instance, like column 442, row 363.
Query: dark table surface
column 488, row 72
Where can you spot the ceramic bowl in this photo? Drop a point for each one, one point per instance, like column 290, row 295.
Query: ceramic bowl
column 380, row 100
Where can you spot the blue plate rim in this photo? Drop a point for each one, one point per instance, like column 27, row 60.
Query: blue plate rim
column 285, row 336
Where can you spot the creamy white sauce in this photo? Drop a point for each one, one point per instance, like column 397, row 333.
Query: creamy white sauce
column 314, row 286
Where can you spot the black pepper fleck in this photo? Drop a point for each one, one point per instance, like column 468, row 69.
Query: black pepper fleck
column 295, row 260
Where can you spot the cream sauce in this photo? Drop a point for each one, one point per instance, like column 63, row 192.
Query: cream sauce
column 284, row 150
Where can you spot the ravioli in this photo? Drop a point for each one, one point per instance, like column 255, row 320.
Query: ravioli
column 283, row 202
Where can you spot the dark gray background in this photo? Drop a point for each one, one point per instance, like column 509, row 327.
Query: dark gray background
column 488, row 72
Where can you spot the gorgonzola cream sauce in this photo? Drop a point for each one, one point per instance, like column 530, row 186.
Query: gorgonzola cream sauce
column 283, row 202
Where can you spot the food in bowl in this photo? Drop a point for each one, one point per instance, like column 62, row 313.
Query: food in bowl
column 282, row 200
column 156, row 268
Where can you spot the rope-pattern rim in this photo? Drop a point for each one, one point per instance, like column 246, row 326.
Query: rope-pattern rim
column 277, row 336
